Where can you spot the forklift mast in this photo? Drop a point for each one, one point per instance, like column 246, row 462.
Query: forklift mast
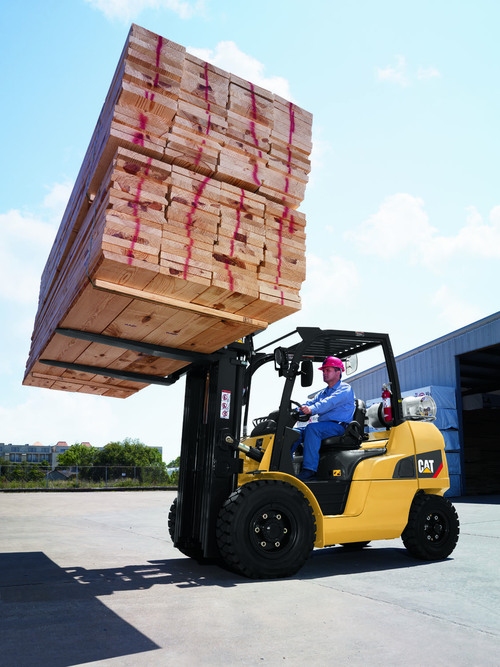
column 209, row 461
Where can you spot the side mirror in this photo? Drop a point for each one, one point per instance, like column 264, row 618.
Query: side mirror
column 280, row 361
column 306, row 373
column 351, row 364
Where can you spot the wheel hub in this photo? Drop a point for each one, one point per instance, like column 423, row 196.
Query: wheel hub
column 271, row 530
column 434, row 527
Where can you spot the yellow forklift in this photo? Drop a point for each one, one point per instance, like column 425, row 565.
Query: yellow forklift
column 240, row 500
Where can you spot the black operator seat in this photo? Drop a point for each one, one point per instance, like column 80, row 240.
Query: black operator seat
column 353, row 435
column 340, row 454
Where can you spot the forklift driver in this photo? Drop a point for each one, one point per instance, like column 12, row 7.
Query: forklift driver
column 334, row 406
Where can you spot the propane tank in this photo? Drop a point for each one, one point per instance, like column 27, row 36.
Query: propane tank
column 387, row 403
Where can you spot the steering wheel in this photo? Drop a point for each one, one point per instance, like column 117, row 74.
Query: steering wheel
column 300, row 417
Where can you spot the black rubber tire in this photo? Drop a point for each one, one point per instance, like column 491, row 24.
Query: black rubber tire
column 171, row 519
column 266, row 529
column 355, row 546
column 193, row 551
column 433, row 528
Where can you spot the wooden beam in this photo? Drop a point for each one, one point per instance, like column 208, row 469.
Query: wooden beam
column 143, row 295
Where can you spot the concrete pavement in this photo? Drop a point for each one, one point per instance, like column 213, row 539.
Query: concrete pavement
column 93, row 578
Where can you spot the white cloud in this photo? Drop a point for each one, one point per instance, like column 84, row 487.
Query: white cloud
column 127, row 10
column 47, row 416
column 477, row 238
column 394, row 73
column 401, row 223
column 454, row 311
column 401, row 227
column 324, row 275
column 228, row 56
column 402, row 76
column 427, row 72
column 26, row 242
column 56, row 199
column 55, row 416
column 320, row 150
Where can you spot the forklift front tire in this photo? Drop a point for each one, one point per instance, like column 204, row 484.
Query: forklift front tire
column 266, row 529
column 432, row 529
column 191, row 551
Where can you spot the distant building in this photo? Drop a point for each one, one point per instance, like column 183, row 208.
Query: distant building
column 37, row 453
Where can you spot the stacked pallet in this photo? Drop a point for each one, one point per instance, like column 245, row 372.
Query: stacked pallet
column 182, row 229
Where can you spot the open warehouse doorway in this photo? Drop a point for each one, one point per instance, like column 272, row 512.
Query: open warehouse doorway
column 479, row 373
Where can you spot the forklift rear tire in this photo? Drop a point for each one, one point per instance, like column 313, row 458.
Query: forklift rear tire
column 266, row 529
column 193, row 551
column 433, row 528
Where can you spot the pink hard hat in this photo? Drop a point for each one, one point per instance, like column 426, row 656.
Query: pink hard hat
column 332, row 362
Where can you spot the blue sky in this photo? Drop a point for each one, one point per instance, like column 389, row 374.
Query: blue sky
column 403, row 203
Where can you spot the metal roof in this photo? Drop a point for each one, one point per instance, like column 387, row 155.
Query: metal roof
column 473, row 350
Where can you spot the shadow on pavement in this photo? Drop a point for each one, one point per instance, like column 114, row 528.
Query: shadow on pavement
column 53, row 615
column 48, row 618
column 338, row 561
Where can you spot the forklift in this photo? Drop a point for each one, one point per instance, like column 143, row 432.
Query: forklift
column 239, row 498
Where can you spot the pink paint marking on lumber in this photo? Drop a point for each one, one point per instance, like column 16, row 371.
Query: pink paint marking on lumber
column 135, row 208
column 255, row 174
column 291, row 115
column 206, row 97
column 241, row 207
column 139, row 136
column 286, row 210
column 209, row 119
column 159, row 44
column 230, row 275
column 189, row 223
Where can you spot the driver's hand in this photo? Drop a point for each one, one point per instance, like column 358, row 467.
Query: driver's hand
column 305, row 409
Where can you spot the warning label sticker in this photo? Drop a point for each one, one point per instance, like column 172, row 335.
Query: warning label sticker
column 225, row 404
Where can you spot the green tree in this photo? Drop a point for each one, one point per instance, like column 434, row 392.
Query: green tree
column 175, row 463
column 129, row 458
column 78, row 455
column 128, row 452
column 173, row 478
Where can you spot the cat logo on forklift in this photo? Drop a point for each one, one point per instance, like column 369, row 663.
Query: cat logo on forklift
column 429, row 464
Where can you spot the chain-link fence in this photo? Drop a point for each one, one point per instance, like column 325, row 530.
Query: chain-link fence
column 31, row 476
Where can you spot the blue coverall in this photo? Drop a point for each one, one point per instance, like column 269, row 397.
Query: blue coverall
column 335, row 409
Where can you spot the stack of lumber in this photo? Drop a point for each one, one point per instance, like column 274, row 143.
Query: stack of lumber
column 182, row 229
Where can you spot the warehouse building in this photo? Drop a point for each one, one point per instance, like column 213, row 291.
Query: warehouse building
column 461, row 371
